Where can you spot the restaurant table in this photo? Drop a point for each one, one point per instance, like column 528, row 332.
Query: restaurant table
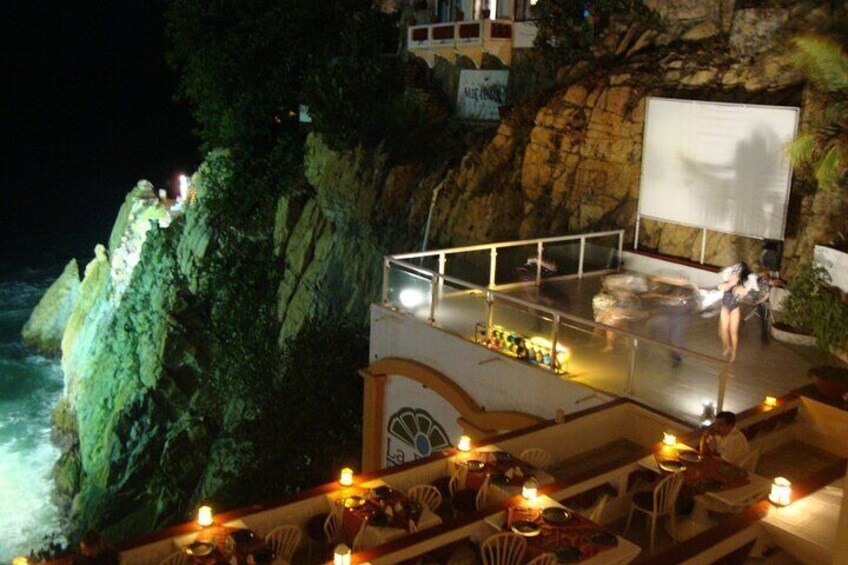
column 397, row 527
column 502, row 469
column 739, row 488
column 570, row 534
column 806, row 529
column 223, row 554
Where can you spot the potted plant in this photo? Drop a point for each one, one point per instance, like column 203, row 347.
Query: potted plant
column 819, row 307
column 831, row 381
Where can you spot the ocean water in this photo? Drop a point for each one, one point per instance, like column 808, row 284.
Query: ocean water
column 30, row 384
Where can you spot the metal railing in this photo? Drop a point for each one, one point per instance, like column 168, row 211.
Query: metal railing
column 491, row 292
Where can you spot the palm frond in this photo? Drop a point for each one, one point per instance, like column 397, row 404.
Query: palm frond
column 802, row 150
column 829, row 167
column 824, row 62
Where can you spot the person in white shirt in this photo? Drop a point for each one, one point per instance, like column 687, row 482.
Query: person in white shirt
column 725, row 440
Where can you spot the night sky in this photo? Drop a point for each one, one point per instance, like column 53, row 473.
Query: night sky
column 88, row 109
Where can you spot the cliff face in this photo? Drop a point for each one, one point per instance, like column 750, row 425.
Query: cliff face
column 155, row 416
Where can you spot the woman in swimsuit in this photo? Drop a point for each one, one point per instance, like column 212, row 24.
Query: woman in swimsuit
column 728, row 325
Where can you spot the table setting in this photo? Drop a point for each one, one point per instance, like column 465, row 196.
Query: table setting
column 550, row 527
column 227, row 545
column 507, row 473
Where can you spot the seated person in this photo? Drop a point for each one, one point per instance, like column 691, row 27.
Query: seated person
column 95, row 550
column 724, row 439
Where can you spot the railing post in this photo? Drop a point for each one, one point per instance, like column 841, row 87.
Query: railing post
column 636, row 235
column 722, row 386
column 434, row 297
column 539, row 250
column 386, row 269
column 443, row 259
column 493, row 265
column 631, row 372
column 582, row 255
column 554, row 338
column 490, row 315
column 620, row 250
column 703, row 245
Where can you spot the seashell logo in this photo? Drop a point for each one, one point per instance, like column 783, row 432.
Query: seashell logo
column 413, row 434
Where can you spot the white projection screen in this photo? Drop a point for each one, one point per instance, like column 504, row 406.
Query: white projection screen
column 717, row 166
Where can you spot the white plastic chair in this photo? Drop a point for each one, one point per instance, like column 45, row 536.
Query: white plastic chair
column 749, row 462
column 333, row 525
column 178, row 558
column 457, row 480
column 482, row 499
column 538, row 457
column 503, row 549
column 660, row 503
column 427, row 495
column 596, row 512
column 544, row 559
column 365, row 538
column 283, row 542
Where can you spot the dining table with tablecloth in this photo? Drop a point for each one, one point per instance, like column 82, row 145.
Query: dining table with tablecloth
column 506, row 472
column 573, row 538
column 389, row 511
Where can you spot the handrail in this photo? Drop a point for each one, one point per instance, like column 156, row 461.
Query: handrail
column 503, row 244
column 553, row 311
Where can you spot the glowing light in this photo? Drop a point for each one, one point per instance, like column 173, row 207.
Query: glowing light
column 347, row 477
column 708, row 413
column 530, row 489
column 669, row 439
column 20, row 561
column 183, row 188
column 464, row 444
column 411, row 298
column 341, row 555
column 204, row 516
column 770, row 401
column 781, row 492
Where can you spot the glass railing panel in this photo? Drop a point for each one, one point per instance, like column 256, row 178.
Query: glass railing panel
column 675, row 381
column 517, row 331
column 564, row 254
column 459, row 310
column 516, row 264
column 470, row 266
column 409, row 291
column 597, row 357
column 601, row 254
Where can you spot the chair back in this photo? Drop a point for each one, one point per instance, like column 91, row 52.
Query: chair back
column 366, row 538
column 665, row 493
column 749, row 462
column 333, row 524
column 457, row 482
column 544, row 559
column 178, row 558
column 482, row 498
column 283, row 541
column 597, row 511
column 505, row 548
column 538, row 457
column 427, row 495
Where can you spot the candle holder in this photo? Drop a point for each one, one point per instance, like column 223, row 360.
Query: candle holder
column 781, row 492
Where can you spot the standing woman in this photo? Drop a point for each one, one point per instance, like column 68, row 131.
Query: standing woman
column 731, row 316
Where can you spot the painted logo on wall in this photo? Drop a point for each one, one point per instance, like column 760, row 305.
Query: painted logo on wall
column 413, row 434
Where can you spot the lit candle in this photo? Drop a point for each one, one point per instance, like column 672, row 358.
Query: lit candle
column 770, row 401
column 464, row 444
column 669, row 439
column 530, row 489
column 781, row 492
column 347, row 477
column 20, row 561
column 204, row 516
column 341, row 555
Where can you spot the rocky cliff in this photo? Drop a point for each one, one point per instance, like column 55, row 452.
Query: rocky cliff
column 167, row 349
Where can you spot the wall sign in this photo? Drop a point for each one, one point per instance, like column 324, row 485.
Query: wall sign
column 480, row 94
column 413, row 434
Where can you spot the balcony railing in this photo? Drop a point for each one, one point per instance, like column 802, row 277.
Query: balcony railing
column 449, row 39
column 482, row 293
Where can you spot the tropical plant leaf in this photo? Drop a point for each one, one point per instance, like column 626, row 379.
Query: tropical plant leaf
column 824, row 61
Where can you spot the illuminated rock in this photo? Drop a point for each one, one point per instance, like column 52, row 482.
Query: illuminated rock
column 47, row 322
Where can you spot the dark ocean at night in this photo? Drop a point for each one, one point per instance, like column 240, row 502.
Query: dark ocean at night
column 30, row 384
